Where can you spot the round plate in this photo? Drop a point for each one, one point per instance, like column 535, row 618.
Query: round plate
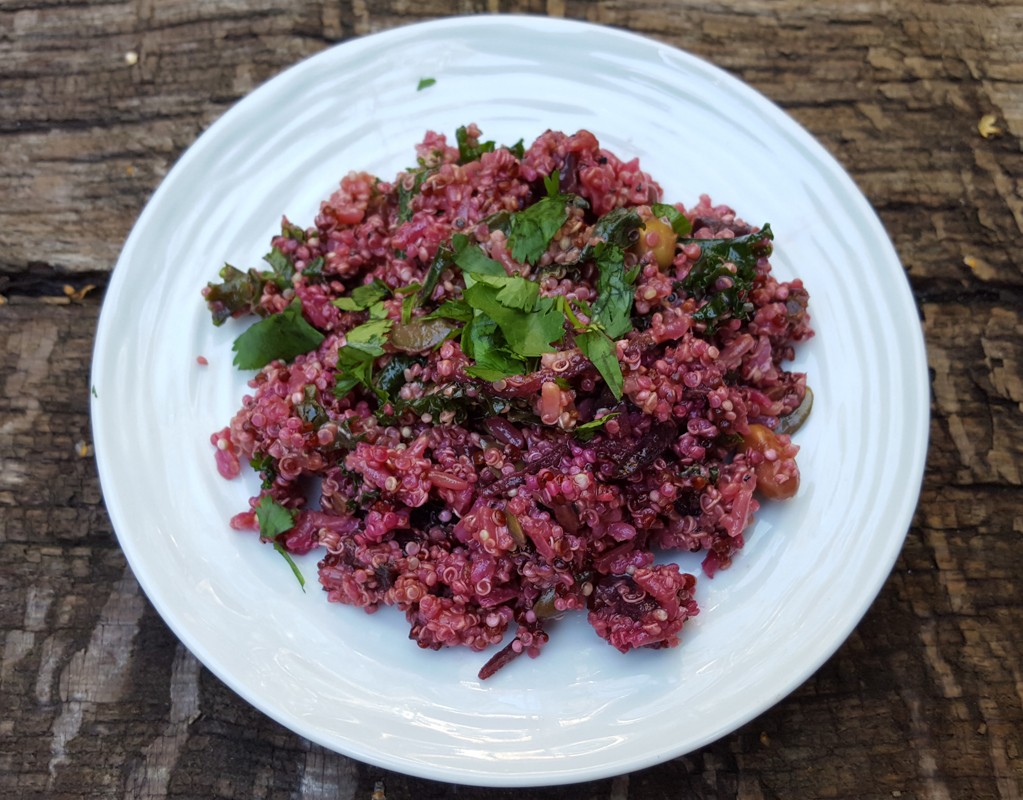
column 355, row 683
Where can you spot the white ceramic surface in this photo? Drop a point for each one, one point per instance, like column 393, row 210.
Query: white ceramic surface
column 355, row 683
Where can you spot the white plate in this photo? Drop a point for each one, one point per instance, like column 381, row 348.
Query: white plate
column 355, row 683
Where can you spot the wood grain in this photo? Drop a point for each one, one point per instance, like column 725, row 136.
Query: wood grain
column 925, row 699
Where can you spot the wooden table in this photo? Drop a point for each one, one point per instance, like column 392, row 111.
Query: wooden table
column 922, row 102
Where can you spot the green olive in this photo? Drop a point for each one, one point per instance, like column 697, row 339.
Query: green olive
column 657, row 238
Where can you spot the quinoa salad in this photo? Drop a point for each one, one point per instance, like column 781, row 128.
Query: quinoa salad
column 507, row 385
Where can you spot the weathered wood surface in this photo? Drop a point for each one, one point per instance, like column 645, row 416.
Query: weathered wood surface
column 925, row 700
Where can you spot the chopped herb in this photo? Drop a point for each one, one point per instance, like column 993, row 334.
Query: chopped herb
column 470, row 149
column 425, row 83
column 461, row 401
column 238, row 293
column 471, row 258
column 392, row 375
column 291, row 563
column 588, row 430
column 279, row 336
column 612, row 309
column 617, row 228
column 408, row 303
column 598, row 347
column 405, row 195
column 264, row 465
column 313, row 270
column 363, row 345
column 283, row 269
column 679, row 222
column 362, row 297
column 529, row 331
column 725, row 291
column 94, row 393
column 289, row 231
column 275, row 519
column 483, row 342
column 457, row 310
column 531, row 230
column 442, row 260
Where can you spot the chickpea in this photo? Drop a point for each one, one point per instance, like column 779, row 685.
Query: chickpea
column 657, row 237
column 769, row 483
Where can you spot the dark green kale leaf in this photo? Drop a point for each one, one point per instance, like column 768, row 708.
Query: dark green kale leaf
column 237, row 294
column 443, row 259
column 710, row 270
column 463, row 402
column 616, row 228
column 612, row 310
column 391, row 376
column 279, row 336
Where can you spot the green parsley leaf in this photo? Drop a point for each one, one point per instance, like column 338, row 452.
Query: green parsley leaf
column 425, row 83
column 363, row 345
column 363, row 297
column 472, row 259
column 284, row 336
column 531, row 230
column 483, row 342
column 600, row 349
column 275, row 519
column 291, row 563
column 369, row 337
column 528, row 333
column 679, row 222
column 457, row 310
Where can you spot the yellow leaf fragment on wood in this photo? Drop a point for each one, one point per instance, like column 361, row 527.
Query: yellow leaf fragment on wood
column 77, row 295
column 986, row 126
column 83, row 448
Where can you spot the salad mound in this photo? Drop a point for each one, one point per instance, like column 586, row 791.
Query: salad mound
column 511, row 378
